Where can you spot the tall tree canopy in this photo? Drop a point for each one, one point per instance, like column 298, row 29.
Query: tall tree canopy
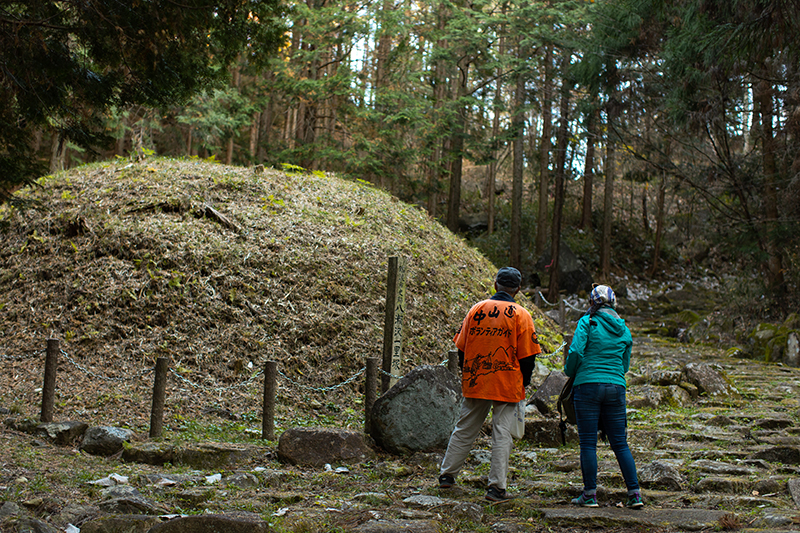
column 63, row 63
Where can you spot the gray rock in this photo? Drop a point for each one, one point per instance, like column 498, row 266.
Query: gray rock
column 422, row 501
column 213, row 524
column 10, row 509
column 767, row 486
column 709, row 380
column 319, row 446
column 419, row 412
column 794, row 490
column 120, row 491
column 62, row 433
column 121, row 524
column 150, row 453
column 105, row 440
column 573, row 277
column 647, row 397
column 666, row 377
column 720, row 421
column 546, row 432
column 791, row 356
column 676, row 396
column 131, row 505
column 468, row 511
column 545, row 399
column 74, row 513
column 788, row 455
column 730, row 485
column 772, row 423
column 242, row 480
column 772, row 520
column 28, row 525
column 213, row 455
column 660, row 475
column 719, row 467
column 397, row 526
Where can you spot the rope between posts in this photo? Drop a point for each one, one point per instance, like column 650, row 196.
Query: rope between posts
column 245, row 383
column 544, row 299
column 20, row 357
column 100, row 376
column 217, row 389
column 323, row 389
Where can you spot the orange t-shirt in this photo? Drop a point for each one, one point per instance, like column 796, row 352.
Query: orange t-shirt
column 494, row 336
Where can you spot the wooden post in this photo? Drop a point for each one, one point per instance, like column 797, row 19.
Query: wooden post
column 270, row 389
column 159, row 397
column 452, row 362
column 49, row 386
column 568, row 340
column 393, row 323
column 370, row 390
column 537, row 297
column 562, row 312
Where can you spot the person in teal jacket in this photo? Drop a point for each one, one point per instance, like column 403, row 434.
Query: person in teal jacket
column 599, row 357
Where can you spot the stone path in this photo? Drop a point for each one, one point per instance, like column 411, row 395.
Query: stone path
column 734, row 461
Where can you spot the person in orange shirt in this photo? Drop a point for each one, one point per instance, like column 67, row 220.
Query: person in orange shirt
column 497, row 347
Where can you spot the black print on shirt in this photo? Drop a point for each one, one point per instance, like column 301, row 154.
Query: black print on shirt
column 479, row 315
column 477, row 331
column 484, row 365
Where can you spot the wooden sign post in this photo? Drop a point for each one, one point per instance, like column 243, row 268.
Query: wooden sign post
column 393, row 324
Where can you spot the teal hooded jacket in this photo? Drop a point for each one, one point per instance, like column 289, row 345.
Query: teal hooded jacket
column 601, row 349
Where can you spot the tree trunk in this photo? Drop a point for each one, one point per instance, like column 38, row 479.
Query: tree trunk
column 660, row 215
column 518, row 132
column 491, row 178
column 457, row 144
column 544, row 151
column 588, row 171
column 774, row 263
column 254, row 131
column 58, row 152
column 562, row 137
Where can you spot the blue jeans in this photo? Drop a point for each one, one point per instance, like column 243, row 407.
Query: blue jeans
column 595, row 402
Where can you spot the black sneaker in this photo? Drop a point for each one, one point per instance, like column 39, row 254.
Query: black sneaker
column 446, row 481
column 497, row 495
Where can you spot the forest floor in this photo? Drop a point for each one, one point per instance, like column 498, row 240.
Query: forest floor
column 125, row 263
column 753, row 494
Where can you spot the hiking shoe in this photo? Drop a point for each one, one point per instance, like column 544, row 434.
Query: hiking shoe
column 497, row 495
column 446, row 481
column 585, row 500
column 634, row 501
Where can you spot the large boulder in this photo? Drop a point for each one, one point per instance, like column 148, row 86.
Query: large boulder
column 545, row 399
column 319, row 446
column 573, row 277
column 105, row 440
column 660, row 475
column 709, row 380
column 419, row 412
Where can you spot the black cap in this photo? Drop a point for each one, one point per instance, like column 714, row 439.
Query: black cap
column 508, row 277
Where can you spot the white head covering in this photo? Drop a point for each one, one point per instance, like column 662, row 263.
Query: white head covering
column 602, row 294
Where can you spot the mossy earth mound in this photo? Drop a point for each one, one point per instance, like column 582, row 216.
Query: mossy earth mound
column 219, row 269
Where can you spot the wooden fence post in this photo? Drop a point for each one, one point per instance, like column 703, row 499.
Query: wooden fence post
column 159, row 397
column 49, row 386
column 452, row 362
column 537, row 297
column 393, row 323
column 568, row 340
column 270, row 389
column 370, row 389
column 562, row 311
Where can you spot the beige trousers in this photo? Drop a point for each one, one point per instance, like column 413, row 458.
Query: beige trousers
column 473, row 413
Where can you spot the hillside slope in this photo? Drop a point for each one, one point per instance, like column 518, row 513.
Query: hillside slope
column 219, row 269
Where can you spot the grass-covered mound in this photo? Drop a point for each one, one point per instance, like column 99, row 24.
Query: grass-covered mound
column 219, row 269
